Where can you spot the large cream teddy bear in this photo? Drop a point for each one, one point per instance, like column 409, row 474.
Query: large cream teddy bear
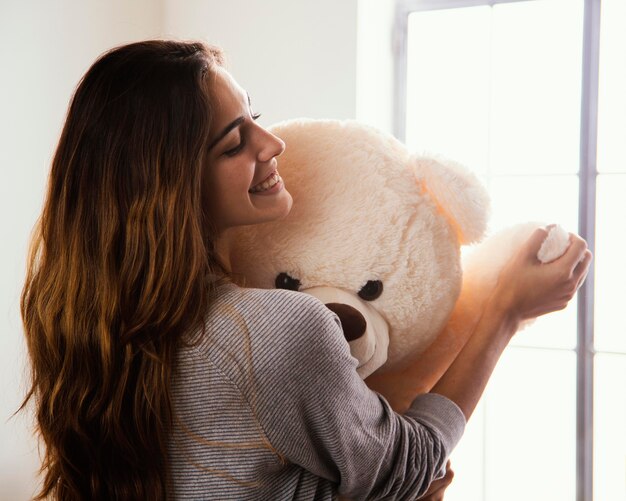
column 376, row 233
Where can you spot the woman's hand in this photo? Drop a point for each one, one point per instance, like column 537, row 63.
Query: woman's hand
column 528, row 288
column 436, row 490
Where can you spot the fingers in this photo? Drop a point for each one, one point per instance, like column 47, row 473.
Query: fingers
column 582, row 268
column 436, row 494
column 578, row 275
column 575, row 254
column 436, row 490
column 533, row 244
column 573, row 257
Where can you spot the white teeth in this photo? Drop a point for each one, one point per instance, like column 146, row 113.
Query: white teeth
column 266, row 185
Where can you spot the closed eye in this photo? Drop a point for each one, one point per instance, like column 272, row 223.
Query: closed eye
column 233, row 151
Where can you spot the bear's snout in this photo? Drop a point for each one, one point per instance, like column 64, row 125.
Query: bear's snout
column 364, row 328
column 352, row 321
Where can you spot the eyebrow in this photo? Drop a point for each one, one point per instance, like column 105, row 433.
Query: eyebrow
column 235, row 123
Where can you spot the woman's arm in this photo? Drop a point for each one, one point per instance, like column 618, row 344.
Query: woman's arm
column 526, row 289
column 318, row 413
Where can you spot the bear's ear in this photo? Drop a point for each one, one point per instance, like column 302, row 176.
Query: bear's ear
column 457, row 193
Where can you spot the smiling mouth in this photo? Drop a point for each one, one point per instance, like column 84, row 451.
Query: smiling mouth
column 267, row 183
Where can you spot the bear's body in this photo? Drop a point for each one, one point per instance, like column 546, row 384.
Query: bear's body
column 376, row 234
column 365, row 210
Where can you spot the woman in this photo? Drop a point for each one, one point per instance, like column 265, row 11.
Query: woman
column 153, row 374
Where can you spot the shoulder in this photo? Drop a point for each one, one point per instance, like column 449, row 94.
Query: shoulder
column 277, row 305
column 274, row 320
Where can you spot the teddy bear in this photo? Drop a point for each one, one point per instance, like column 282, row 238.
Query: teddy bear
column 375, row 233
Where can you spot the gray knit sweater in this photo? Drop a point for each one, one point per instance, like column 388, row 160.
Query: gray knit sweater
column 269, row 406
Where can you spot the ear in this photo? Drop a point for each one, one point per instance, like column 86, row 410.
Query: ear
column 457, row 193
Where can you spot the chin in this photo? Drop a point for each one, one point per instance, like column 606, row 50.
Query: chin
column 282, row 211
column 277, row 210
column 288, row 205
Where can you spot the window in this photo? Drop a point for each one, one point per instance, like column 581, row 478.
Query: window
column 530, row 95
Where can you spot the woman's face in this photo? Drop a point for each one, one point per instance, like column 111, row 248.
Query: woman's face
column 243, row 183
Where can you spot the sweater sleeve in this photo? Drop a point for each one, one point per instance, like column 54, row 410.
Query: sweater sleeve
column 318, row 413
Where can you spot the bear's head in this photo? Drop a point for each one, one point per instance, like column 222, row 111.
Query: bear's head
column 374, row 233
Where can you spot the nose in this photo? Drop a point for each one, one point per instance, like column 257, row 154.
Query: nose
column 271, row 146
column 352, row 322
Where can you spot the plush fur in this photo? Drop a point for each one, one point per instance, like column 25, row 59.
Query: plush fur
column 365, row 210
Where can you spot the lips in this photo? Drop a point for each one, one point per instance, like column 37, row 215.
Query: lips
column 268, row 178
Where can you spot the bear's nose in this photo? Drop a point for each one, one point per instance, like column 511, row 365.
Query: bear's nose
column 352, row 321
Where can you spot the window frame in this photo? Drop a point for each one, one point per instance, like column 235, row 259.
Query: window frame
column 587, row 175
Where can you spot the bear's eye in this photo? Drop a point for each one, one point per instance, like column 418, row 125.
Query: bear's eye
column 371, row 290
column 284, row 281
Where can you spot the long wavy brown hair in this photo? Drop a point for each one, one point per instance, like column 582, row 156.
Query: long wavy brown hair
column 122, row 264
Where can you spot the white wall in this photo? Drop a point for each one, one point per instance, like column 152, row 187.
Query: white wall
column 374, row 78
column 45, row 47
column 295, row 57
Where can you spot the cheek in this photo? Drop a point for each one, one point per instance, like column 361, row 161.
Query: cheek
column 217, row 192
column 231, row 183
column 230, row 180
